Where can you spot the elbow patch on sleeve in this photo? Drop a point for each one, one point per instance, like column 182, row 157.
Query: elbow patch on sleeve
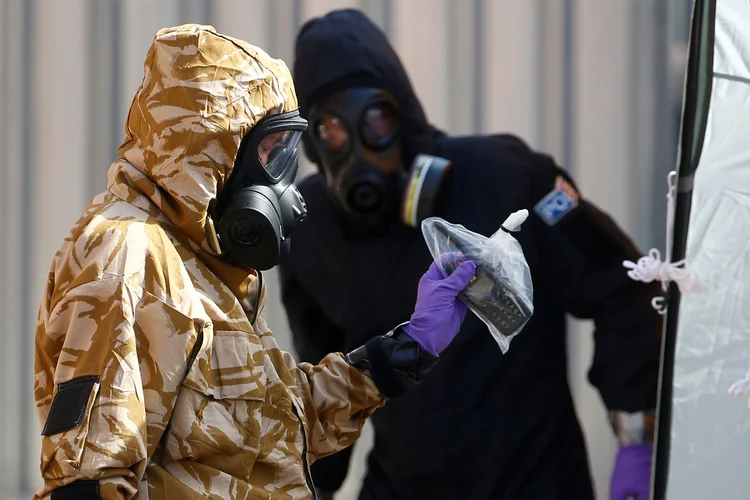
column 78, row 490
column 70, row 406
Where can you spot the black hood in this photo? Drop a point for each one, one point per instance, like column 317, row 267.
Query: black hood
column 344, row 49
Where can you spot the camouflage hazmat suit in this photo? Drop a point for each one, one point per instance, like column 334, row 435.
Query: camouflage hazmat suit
column 156, row 377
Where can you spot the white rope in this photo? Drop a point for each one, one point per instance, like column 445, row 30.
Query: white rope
column 651, row 267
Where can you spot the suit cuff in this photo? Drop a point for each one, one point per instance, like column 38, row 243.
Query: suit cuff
column 395, row 362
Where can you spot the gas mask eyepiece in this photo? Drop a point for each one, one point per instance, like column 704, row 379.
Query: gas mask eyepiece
column 259, row 205
column 356, row 135
column 358, row 138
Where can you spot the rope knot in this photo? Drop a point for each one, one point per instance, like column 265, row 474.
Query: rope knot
column 651, row 267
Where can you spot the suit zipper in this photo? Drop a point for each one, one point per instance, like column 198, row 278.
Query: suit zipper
column 308, row 476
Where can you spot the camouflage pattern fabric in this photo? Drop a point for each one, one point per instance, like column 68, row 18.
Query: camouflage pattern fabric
column 194, row 397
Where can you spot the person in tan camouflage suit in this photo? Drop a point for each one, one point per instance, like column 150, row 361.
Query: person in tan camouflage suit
column 156, row 377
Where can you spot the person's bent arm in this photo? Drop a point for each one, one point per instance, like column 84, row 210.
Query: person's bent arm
column 101, row 419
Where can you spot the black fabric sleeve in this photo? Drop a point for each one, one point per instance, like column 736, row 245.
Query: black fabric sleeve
column 314, row 336
column 395, row 361
column 580, row 262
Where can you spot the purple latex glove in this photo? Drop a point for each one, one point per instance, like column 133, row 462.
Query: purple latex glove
column 438, row 313
column 631, row 478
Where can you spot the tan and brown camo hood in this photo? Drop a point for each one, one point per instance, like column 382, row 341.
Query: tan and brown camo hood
column 201, row 92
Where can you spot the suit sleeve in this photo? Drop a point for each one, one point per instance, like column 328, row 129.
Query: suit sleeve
column 581, row 251
column 338, row 398
column 101, row 419
column 314, row 336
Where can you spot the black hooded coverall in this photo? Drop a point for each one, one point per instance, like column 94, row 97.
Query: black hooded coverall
column 483, row 425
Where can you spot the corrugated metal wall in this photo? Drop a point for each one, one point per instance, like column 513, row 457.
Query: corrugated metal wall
column 589, row 81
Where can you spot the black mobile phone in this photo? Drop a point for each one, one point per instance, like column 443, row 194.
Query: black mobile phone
column 491, row 294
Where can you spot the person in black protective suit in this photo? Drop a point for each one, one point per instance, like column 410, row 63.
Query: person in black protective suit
column 484, row 425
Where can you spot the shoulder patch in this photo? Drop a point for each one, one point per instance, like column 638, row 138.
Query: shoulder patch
column 558, row 202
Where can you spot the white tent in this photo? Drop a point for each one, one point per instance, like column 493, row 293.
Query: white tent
column 703, row 433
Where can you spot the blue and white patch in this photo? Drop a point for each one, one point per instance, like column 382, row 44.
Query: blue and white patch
column 555, row 205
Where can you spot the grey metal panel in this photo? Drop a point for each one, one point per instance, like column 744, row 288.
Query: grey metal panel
column 103, row 67
column 464, row 36
column 602, row 117
column 117, row 115
column 554, row 65
column 195, row 11
column 380, row 11
column 247, row 20
column 27, row 421
column 139, row 21
column 4, row 167
column 510, row 81
column 568, row 94
column 420, row 39
column 286, row 17
column 57, row 151
column 654, row 135
column 479, row 62
column 11, row 200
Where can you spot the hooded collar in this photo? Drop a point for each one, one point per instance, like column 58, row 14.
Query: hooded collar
column 201, row 93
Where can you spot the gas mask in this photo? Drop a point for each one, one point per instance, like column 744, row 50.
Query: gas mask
column 259, row 205
column 357, row 138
